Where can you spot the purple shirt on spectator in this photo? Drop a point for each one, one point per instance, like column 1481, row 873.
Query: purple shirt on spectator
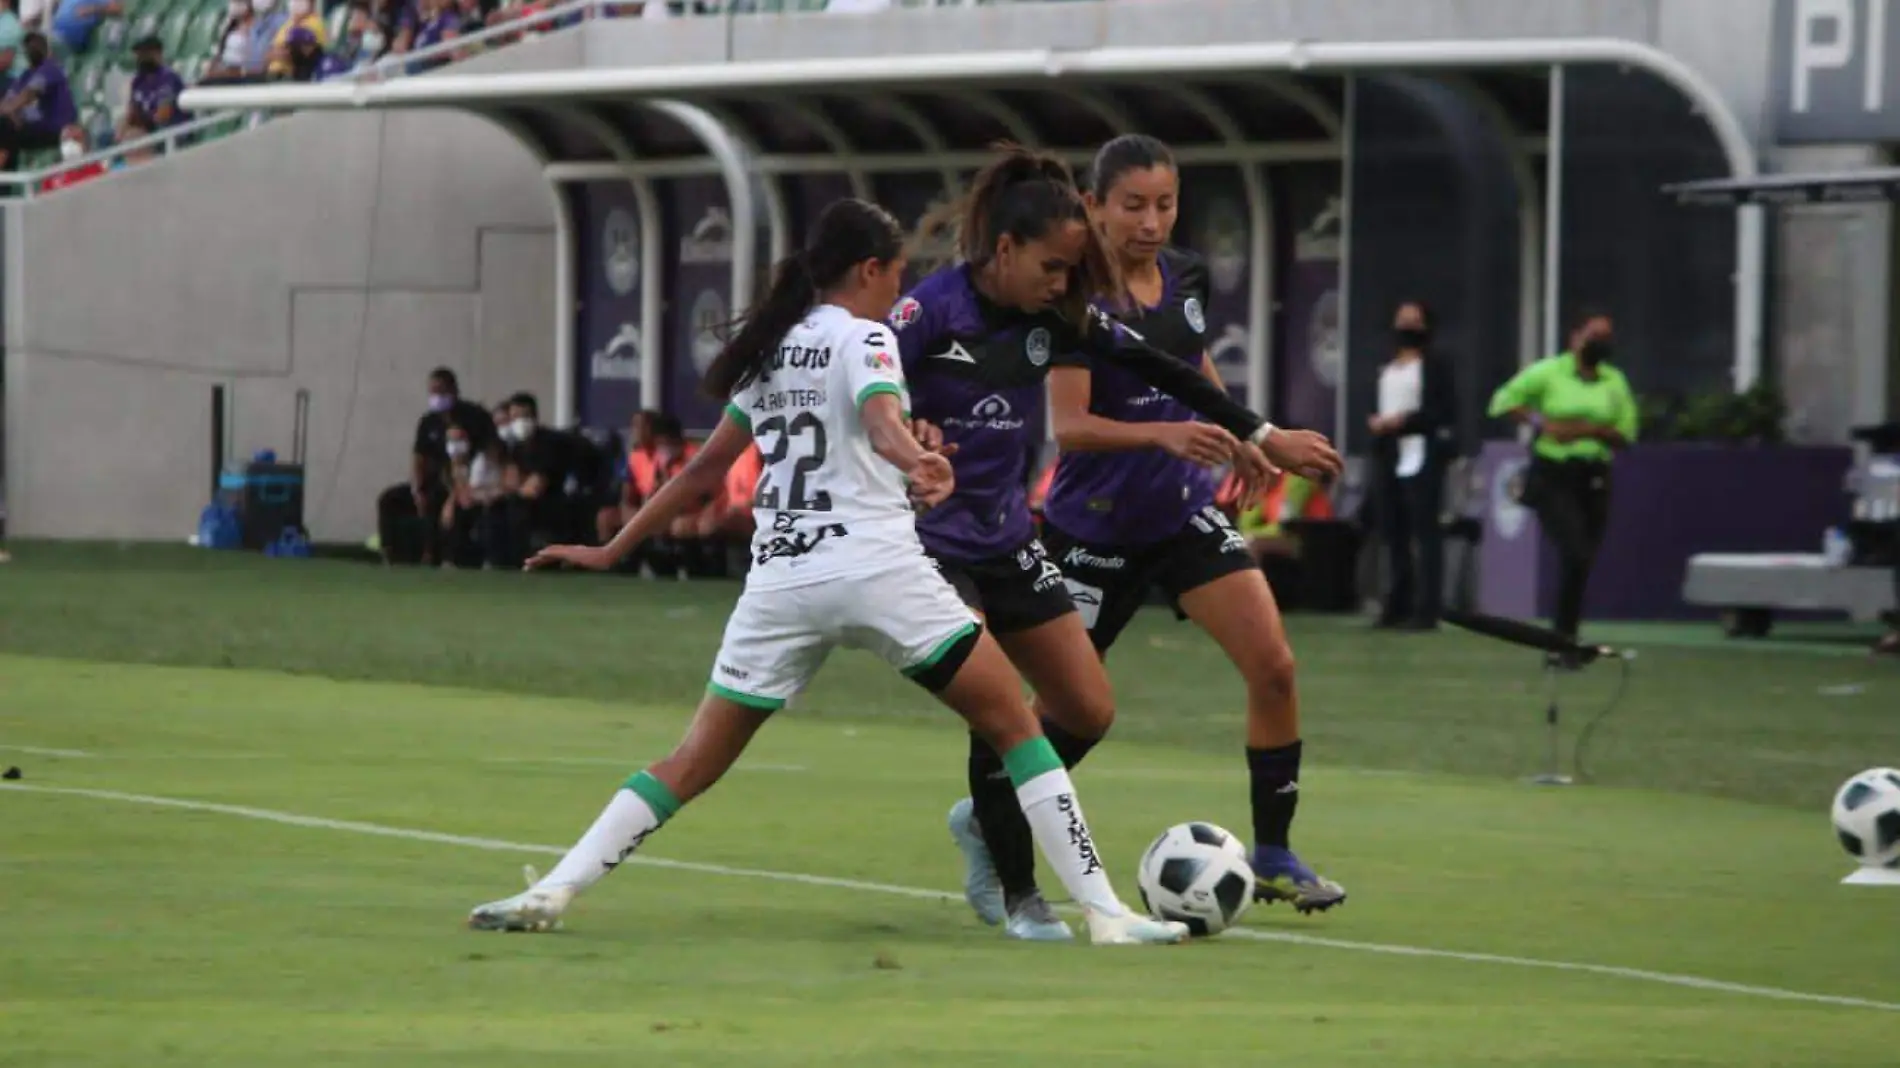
column 332, row 66
column 152, row 91
column 434, row 29
column 53, row 110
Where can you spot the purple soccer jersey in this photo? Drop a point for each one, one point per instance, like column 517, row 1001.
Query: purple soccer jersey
column 976, row 370
column 53, row 109
column 1141, row 496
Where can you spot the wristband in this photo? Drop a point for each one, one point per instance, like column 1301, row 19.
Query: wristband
column 1259, row 437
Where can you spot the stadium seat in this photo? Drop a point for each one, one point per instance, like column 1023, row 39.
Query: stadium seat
column 202, row 33
column 172, row 28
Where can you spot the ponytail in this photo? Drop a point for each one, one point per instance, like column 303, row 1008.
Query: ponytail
column 747, row 353
column 847, row 233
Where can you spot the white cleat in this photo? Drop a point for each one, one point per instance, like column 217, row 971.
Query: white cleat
column 981, row 888
column 1032, row 920
column 533, row 910
column 1130, row 929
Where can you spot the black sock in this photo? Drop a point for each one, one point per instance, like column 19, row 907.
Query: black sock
column 1069, row 747
column 1274, row 776
column 1000, row 817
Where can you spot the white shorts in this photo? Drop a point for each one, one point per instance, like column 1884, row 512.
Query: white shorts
column 777, row 639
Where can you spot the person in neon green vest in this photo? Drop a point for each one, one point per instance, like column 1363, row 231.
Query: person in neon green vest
column 1583, row 413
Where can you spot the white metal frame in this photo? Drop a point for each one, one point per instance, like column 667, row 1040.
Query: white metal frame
column 1042, row 66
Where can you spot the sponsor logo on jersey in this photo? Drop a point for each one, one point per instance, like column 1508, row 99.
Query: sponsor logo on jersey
column 804, row 357
column 1080, row 557
column 905, row 313
column 797, row 543
column 1037, row 346
column 734, row 673
column 991, row 413
column 1079, row 839
column 1191, row 311
column 880, row 361
column 955, row 352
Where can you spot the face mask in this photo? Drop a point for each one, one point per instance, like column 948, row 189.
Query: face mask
column 71, row 150
column 1595, row 351
column 522, row 428
column 440, row 402
column 458, row 449
column 1411, row 337
column 148, row 66
column 35, row 56
column 504, row 431
column 372, row 43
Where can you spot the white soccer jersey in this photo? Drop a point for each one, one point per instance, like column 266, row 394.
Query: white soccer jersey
column 826, row 505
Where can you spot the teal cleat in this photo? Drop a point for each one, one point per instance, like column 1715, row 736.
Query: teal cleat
column 1032, row 920
column 981, row 888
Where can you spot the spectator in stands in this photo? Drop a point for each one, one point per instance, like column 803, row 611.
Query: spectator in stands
column 406, row 514
column 727, row 521
column 626, row 497
column 12, row 35
column 75, row 20
column 302, row 58
column 232, row 63
column 32, row 14
column 427, row 24
column 1412, row 448
column 267, row 22
column 73, row 145
column 530, row 511
column 362, row 43
column 286, row 47
column 155, row 88
column 38, row 107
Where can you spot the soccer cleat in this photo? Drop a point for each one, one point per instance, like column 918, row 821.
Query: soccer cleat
column 1032, row 920
column 533, row 910
column 1126, row 928
column 981, row 887
column 1281, row 876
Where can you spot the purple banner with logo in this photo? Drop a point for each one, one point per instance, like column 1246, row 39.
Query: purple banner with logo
column 1512, row 552
column 1215, row 223
column 699, row 243
column 607, row 342
column 1309, row 356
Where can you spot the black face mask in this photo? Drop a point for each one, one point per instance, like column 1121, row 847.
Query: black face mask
column 1411, row 337
column 147, row 65
column 1596, row 351
column 35, row 56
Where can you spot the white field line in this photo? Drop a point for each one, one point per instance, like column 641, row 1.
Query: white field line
column 34, row 750
column 918, row 893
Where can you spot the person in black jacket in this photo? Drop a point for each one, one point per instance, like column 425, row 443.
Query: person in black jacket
column 1412, row 444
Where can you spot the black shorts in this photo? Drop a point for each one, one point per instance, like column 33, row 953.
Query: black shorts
column 1012, row 593
column 1109, row 583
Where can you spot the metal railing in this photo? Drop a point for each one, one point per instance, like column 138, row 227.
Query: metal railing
column 420, row 61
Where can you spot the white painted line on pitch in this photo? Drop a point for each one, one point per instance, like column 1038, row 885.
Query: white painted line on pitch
column 625, row 763
column 34, row 750
column 500, row 845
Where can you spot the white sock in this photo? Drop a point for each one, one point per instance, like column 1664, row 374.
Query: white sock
column 616, row 833
column 1055, row 818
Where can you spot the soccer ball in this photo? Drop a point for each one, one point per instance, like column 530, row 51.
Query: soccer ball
column 1197, row 874
column 1867, row 817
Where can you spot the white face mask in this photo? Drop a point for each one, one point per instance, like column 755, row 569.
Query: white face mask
column 372, row 43
column 505, row 431
column 458, row 449
column 522, row 428
column 71, row 150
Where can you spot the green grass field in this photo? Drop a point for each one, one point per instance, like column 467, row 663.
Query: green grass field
column 260, row 796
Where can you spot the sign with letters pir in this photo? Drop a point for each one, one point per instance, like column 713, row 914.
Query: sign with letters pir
column 1836, row 71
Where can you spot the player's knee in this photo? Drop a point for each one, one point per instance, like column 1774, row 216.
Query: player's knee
column 1084, row 714
column 1269, row 668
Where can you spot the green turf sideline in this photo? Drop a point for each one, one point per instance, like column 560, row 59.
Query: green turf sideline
column 500, row 845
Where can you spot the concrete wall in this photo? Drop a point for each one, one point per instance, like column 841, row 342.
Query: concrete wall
column 342, row 254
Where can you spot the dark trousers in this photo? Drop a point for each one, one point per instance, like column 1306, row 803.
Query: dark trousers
column 15, row 139
column 1572, row 502
column 410, row 537
column 1415, row 547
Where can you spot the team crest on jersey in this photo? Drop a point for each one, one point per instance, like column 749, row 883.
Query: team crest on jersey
column 880, row 361
column 1037, row 346
column 1191, row 309
column 905, row 313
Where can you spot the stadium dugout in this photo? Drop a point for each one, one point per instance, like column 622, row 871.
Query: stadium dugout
column 575, row 213
column 757, row 124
